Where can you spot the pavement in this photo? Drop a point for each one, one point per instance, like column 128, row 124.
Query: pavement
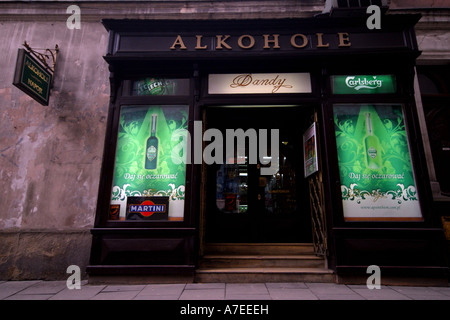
column 58, row 290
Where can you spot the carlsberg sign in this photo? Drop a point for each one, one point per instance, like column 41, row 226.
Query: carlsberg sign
column 363, row 84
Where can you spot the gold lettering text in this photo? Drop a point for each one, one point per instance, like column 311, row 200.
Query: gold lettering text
column 320, row 43
column 199, row 43
column 266, row 41
column 344, row 39
column 178, row 42
column 35, row 86
column 241, row 41
column 294, row 40
column 221, row 42
column 274, row 41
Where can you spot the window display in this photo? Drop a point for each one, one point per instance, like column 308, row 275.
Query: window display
column 376, row 173
column 148, row 184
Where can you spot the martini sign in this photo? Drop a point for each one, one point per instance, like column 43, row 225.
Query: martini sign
column 147, row 208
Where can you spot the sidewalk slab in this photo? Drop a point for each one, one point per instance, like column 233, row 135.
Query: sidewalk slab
column 86, row 292
column 117, row 288
column 45, row 287
column 161, row 297
column 203, row 294
column 246, row 289
column 202, row 286
column 116, row 295
column 57, row 290
column 428, row 297
column 384, row 293
column 161, row 292
column 329, row 289
column 291, row 294
column 29, row 297
column 421, row 293
column 326, row 296
column 442, row 290
column 247, row 297
column 10, row 288
column 286, row 285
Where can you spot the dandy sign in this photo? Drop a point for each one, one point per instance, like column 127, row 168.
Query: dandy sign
column 248, row 83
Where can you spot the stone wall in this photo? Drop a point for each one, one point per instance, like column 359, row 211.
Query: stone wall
column 42, row 254
column 51, row 155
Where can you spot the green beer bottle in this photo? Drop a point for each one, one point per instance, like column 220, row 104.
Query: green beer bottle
column 151, row 151
column 372, row 146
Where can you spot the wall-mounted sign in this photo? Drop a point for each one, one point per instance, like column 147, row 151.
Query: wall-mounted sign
column 254, row 83
column 32, row 78
column 363, row 84
column 258, row 42
column 280, row 38
column 310, row 151
column 376, row 173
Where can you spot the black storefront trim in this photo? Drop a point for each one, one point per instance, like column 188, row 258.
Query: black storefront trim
column 165, row 247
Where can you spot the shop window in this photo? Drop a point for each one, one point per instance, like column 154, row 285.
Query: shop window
column 149, row 172
column 375, row 168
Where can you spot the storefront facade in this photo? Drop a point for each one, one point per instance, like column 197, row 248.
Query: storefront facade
column 276, row 141
column 357, row 194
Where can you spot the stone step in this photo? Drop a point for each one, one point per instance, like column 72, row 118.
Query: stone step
column 259, row 248
column 253, row 275
column 259, row 261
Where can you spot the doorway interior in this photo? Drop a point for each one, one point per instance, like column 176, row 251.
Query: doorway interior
column 242, row 204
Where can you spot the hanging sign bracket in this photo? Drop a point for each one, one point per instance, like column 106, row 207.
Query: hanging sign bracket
column 45, row 57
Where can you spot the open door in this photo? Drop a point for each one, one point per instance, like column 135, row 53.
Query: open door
column 317, row 201
column 244, row 206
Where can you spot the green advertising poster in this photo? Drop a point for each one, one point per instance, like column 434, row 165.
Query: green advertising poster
column 150, row 143
column 363, row 84
column 377, row 179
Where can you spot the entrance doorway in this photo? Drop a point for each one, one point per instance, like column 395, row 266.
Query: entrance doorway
column 242, row 204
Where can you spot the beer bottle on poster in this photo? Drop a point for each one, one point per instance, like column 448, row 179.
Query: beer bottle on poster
column 372, row 146
column 151, row 153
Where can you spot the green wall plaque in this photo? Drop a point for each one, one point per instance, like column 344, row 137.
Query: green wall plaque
column 32, row 78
